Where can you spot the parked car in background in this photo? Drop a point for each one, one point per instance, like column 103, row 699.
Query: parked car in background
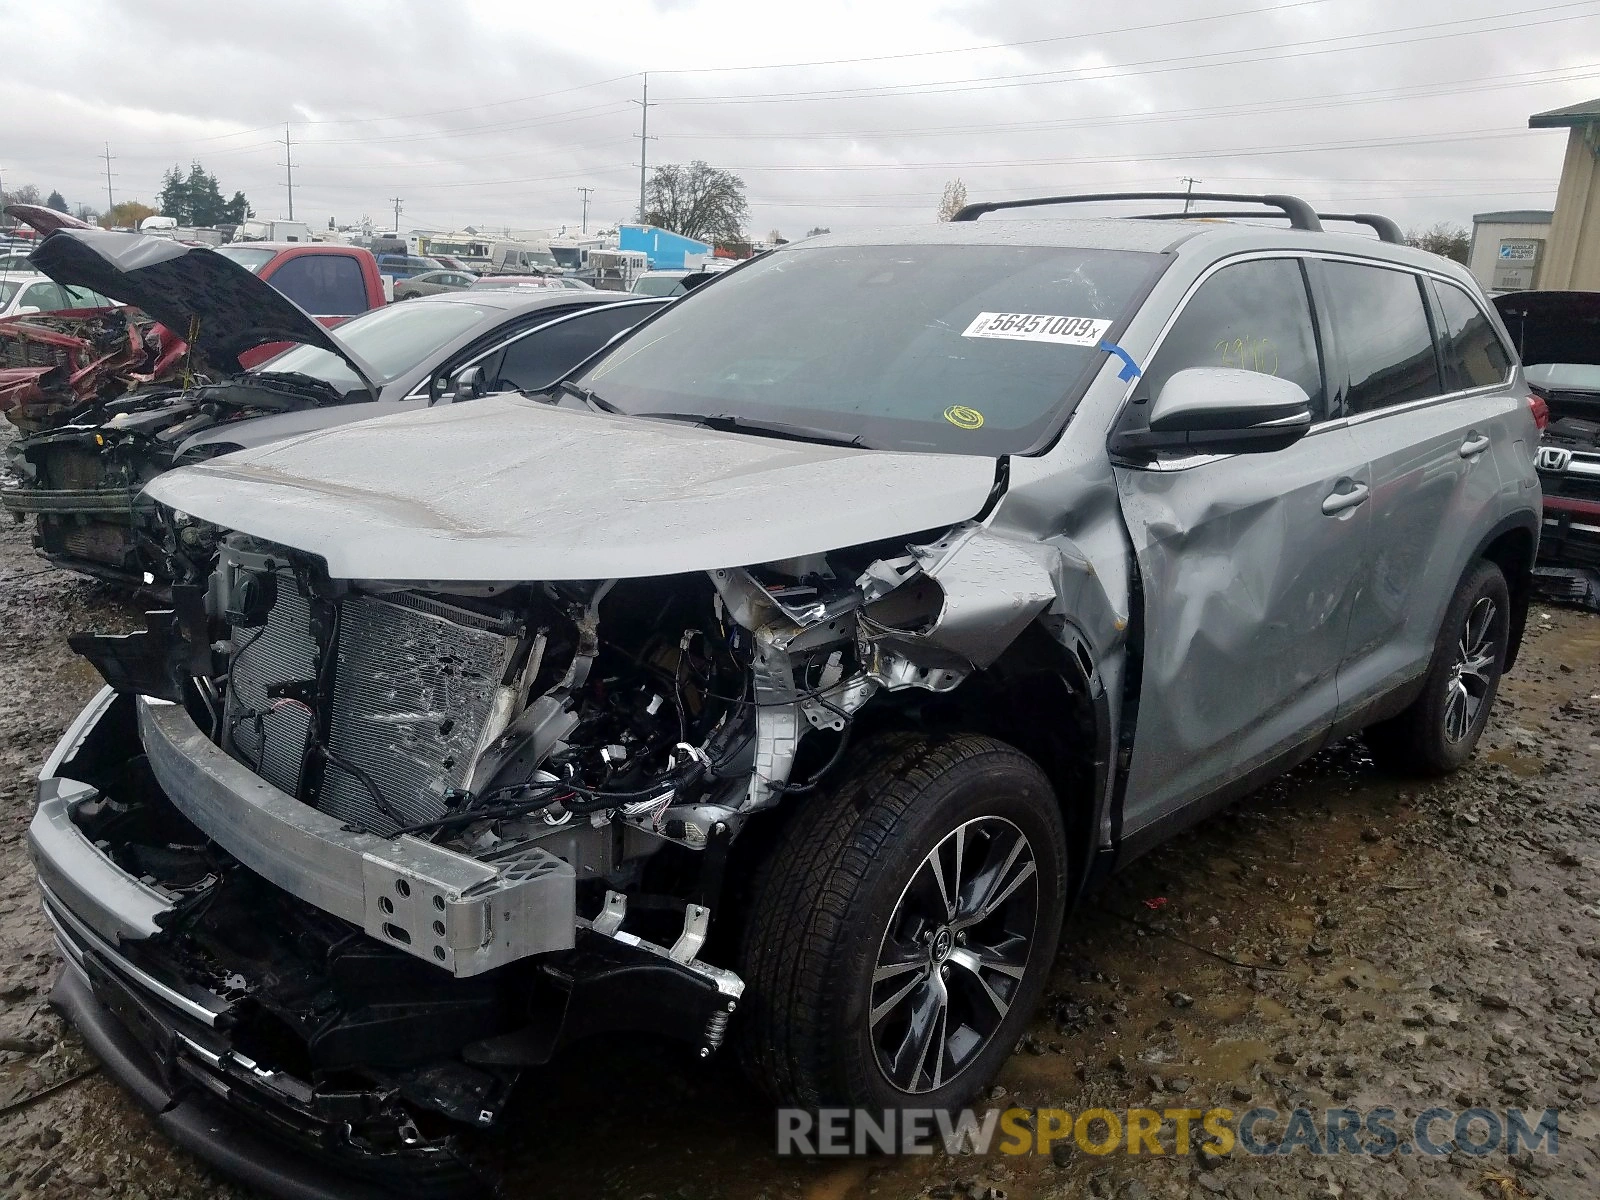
column 500, row 283
column 406, row 266
column 670, row 283
column 1557, row 335
column 459, row 264
column 81, row 478
column 432, row 283
column 331, row 282
column 783, row 677
column 22, row 295
column 54, row 362
column 13, row 262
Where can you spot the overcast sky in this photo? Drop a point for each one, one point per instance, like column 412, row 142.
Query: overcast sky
column 495, row 113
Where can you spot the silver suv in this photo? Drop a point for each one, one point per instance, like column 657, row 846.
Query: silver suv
column 784, row 675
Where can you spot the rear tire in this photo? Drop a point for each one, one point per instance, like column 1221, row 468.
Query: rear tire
column 903, row 928
column 1440, row 729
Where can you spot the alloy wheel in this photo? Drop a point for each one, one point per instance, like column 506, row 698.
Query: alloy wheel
column 954, row 954
column 1472, row 674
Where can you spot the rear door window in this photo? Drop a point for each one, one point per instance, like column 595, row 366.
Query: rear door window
column 1253, row 315
column 1384, row 333
column 1474, row 355
column 325, row 285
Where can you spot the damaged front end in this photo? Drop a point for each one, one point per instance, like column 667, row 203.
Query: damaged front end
column 53, row 368
column 85, row 461
column 81, row 479
column 351, row 856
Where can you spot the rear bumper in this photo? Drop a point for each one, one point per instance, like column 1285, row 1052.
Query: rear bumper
column 1571, row 533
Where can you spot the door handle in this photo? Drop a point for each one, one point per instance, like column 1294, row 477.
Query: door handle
column 1338, row 502
column 1476, row 443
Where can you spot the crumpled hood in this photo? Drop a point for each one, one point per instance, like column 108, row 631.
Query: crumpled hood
column 187, row 287
column 508, row 489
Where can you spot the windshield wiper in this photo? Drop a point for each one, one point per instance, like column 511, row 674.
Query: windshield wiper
column 587, row 395
column 728, row 423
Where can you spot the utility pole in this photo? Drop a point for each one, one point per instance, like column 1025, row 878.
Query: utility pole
column 585, row 192
column 288, row 166
column 396, row 200
column 644, row 137
column 110, row 204
column 1191, row 181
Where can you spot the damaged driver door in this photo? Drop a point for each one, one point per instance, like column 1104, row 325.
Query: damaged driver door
column 1248, row 563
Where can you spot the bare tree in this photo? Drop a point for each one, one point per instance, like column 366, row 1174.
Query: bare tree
column 953, row 200
column 86, row 213
column 699, row 201
column 1444, row 239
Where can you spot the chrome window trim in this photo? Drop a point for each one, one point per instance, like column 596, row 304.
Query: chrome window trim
column 1330, row 423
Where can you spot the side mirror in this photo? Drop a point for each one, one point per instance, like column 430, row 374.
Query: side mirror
column 1221, row 410
column 469, row 385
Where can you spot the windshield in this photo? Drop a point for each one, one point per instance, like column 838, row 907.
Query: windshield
column 251, row 259
column 954, row 349
column 570, row 257
column 391, row 340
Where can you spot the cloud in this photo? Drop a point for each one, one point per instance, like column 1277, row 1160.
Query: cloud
column 496, row 113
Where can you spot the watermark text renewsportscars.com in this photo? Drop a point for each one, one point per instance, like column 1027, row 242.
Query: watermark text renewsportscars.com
column 1148, row 1131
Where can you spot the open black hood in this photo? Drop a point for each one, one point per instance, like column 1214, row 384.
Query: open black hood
column 1553, row 327
column 190, row 290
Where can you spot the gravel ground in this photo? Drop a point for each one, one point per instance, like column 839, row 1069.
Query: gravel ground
column 1403, row 946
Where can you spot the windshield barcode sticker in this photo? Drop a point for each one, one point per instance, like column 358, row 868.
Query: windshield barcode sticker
column 1038, row 327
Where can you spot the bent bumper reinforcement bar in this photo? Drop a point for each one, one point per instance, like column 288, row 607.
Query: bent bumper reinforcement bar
column 459, row 913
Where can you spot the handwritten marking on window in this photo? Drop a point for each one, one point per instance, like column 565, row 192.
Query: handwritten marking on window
column 1248, row 354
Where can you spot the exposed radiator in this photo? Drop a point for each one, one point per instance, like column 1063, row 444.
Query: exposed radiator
column 271, row 743
column 414, row 678
column 412, row 689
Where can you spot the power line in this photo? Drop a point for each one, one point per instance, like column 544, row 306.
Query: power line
column 396, row 202
column 1066, row 37
column 1319, row 100
column 1154, row 65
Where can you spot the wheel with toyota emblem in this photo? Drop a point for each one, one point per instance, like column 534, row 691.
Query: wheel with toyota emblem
column 904, row 927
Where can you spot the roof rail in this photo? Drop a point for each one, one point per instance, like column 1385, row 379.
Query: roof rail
column 1386, row 229
column 1301, row 215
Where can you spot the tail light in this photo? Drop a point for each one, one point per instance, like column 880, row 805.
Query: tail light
column 1539, row 409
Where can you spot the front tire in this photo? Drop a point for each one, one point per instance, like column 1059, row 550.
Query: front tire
column 1439, row 731
column 904, row 927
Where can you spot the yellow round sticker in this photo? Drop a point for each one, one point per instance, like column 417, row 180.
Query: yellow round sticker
column 963, row 417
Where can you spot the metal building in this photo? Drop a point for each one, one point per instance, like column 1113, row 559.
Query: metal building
column 1571, row 259
column 1508, row 248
